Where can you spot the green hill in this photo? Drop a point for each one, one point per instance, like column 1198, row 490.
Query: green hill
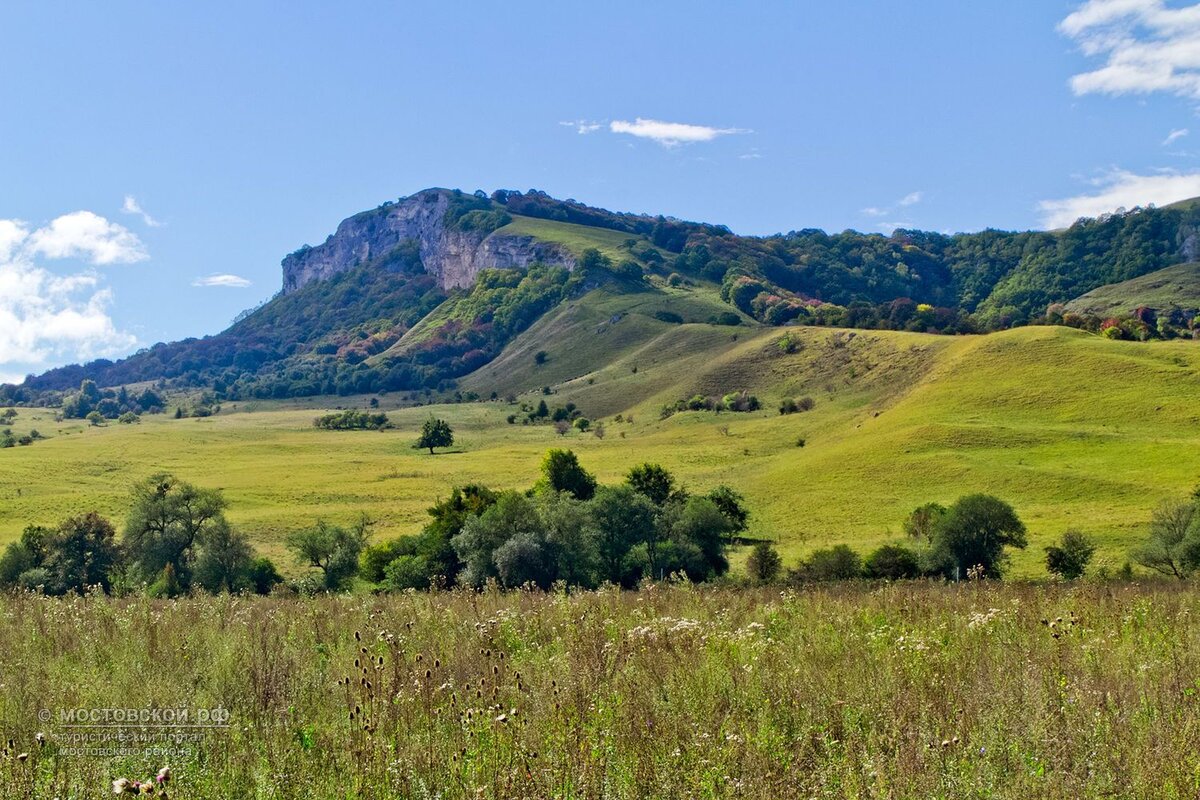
column 1073, row 429
column 1173, row 287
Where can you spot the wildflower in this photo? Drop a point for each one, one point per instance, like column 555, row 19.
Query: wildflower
column 22, row 756
column 163, row 775
column 41, row 738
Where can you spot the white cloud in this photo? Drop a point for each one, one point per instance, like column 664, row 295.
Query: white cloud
column 911, row 199
column 222, row 279
column 1146, row 46
column 1174, row 135
column 670, row 134
column 82, row 234
column 1120, row 189
column 47, row 317
column 131, row 206
column 872, row 211
column 890, row 227
column 583, row 126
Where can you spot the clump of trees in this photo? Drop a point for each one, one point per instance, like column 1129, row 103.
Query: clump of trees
column 176, row 540
column 566, row 529
column 1142, row 325
column 1173, row 546
column 791, row 405
column 109, row 403
column 352, row 419
column 741, row 401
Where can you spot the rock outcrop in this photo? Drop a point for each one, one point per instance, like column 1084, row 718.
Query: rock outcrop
column 454, row 256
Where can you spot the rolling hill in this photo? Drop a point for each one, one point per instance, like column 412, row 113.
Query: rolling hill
column 1162, row 290
column 1073, row 429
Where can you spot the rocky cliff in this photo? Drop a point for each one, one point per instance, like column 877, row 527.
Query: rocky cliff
column 455, row 257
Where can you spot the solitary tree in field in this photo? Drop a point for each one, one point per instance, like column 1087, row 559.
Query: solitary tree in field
column 435, row 433
column 764, row 564
column 1069, row 558
column 167, row 523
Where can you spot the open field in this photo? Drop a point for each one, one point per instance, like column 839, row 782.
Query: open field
column 1072, row 429
column 1177, row 286
column 902, row 691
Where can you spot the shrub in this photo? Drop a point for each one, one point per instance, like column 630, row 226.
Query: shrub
column 1070, row 557
column 764, row 564
column 353, row 419
column 837, row 563
column 892, row 562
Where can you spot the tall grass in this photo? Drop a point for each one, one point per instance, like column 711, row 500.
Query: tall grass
column 979, row 690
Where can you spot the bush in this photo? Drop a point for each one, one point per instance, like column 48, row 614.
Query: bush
column 837, row 563
column 764, row 564
column 352, row 419
column 892, row 562
column 1069, row 558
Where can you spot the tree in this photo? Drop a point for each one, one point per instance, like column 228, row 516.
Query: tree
column 25, row 554
column 435, row 433
column 1069, row 558
column 732, row 505
column 332, row 549
column 224, row 561
column 570, row 538
column 561, row 472
column 653, row 481
column 922, row 521
column 264, row 576
column 623, row 518
column 168, row 518
column 512, row 516
column 698, row 525
column 82, row 553
column 973, row 533
column 764, row 564
column 892, row 562
column 1173, row 547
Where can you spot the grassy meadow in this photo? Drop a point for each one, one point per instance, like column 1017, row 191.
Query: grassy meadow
column 1072, row 429
column 902, row 691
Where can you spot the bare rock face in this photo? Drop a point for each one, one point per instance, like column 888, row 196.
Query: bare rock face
column 455, row 257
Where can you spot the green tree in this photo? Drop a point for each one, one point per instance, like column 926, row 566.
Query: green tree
column 561, row 472
column 166, row 522
column 1070, row 557
column 435, row 433
column 1173, row 547
column 512, row 516
column 973, row 533
column 224, row 560
column 624, row 518
column 82, row 553
column 332, row 549
column 922, row 521
column 733, row 506
column 653, row 481
column 264, row 576
column 27, row 553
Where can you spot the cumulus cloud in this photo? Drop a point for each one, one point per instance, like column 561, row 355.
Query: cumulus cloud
column 1120, row 189
column 87, row 236
column 670, row 134
column 911, row 199
column 1174, row 136
column 222, row 279
column 1146, row 47
column 48, row 317
column 132, row 206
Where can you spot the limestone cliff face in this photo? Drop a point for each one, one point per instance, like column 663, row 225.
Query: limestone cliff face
column 455, row 257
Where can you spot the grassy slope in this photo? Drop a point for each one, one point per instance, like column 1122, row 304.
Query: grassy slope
column 1074, row 430
column 1174, row 286
column 575, row 238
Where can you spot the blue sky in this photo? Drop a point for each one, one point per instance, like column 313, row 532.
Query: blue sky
column 149, row 149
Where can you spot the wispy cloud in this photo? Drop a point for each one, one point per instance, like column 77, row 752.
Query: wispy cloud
column 1174, row 136
column 1146, row 46
column 1120, row 189
column 46, row 316
column 910, row 199
column 131, row 206
column 583, row 126
column 222, row 279
column 670, row 134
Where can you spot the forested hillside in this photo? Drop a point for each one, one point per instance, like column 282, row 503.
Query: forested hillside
column 415, row 294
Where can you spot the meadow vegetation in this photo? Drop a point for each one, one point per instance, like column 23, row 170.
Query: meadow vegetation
column 976, row 689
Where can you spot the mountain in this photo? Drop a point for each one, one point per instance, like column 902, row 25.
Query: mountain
column 430, row 291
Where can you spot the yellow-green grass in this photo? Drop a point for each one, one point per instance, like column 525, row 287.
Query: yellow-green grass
column 1074, row 430
column 575, row 238
column 1174, row 286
